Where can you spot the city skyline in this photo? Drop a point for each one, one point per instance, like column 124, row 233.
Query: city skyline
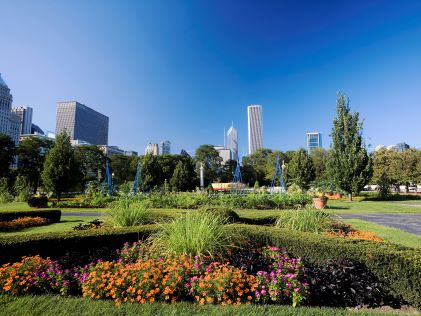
column 211, row 62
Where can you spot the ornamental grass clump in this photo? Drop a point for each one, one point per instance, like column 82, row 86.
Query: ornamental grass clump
column 194, row 234
column 126, row 212
column 306, row 220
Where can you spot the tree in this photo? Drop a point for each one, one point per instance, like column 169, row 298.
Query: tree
column 61, row 170
column 320, row 158
column 211, row 160
column 227, row 171
column 300, row 170
column 349, row 164
column 7, row 151
column 151, row 171
column 31, row 156
column 183, row 176
column 91, row 161
column 123, row 168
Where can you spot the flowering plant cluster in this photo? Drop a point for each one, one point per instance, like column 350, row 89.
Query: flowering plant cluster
column 130, row 253
column 282, row 283
column 22, row 222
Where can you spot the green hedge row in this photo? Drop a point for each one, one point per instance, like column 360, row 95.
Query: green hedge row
column 52, row 216
column 398, row 268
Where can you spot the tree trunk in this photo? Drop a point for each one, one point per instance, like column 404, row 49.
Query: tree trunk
column 349, row 197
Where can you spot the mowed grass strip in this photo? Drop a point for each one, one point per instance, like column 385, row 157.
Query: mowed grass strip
column 391, row 234
column 369, row 207
column 55, row 305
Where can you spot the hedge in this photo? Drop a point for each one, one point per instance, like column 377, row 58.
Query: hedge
column 398, row 268
column 52, row 216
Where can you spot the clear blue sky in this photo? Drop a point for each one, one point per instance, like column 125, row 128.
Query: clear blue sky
column 182, row 70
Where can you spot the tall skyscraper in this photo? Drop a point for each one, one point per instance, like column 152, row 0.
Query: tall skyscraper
column 9, row 122
column 25, row 115
column 82, row 123
column 152, row 149
column 255, row 127
column 314, row 140
column 232, row 142
column 165, row 147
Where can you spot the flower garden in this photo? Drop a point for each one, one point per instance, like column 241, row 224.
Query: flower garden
column 209, row 255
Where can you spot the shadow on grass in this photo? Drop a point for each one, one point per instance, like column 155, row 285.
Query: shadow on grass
column 267, row 221
column 337, row 207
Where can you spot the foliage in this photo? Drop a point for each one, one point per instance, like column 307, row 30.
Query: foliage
column 95, row 224
column 126, row 212
column 320, row 157
column 300, row 170
column 123, row 168
column 306, row 220
column 5, row 195
column 31, row 156
column 349, row 164
column 228, row 215
column 7, row 151
column 52, row 216
column 91, row 161
column 182, row 177
column 211, row 160
column 38, row 201
column 60, row 166
column 21, row 189
column 130, row 253
column 22, row 222
column 194, row 234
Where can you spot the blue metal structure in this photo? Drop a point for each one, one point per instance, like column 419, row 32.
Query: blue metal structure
column 108, row 182
column 138, row 177
column 278, row 173
column 238, row 181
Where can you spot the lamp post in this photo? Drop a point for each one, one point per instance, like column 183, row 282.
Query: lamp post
column 202, row 177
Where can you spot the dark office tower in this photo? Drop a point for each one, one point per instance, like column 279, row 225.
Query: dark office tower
column 82, row 123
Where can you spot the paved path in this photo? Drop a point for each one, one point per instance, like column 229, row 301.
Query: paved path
column 407, row 222
column 82, row 213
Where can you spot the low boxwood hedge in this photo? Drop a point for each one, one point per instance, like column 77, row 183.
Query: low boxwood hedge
column 52, row 216
column 398, row 268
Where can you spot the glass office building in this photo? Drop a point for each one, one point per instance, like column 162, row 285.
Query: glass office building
column 255, row 128
column 314, row 141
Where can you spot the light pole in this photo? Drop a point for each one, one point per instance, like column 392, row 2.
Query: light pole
column 202, row 177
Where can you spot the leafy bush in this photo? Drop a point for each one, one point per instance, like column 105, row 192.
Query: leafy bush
column 194, row 234
column 130, row 253
column 5, row 196
column 306, row 220
column 38, row 201
column 126, row 212
column 52, row 216
column 22, row 222
column 21, row 189
column 226, row 214
column 95, row 224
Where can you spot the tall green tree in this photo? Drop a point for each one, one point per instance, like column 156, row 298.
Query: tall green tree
column 7, row 151
column 91, row 161
column 123, row 168
column 31, row 156
column 211, row 160
column 349, row 164
column 300, row 170
column 61, row 170
column 184, row 176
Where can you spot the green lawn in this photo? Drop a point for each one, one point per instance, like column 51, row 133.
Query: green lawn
column 55, row 305
column 367, row 207
column 394, row 235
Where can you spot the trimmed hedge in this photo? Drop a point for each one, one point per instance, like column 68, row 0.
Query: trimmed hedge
column 52, row 216
column 398, row 268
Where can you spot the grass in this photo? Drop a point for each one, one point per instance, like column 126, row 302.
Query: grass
column 125, row 213
column 23, row 206
column 394, row 235
column 307, row 220
column 66, row 224
column 55, row 305
column 369, row 207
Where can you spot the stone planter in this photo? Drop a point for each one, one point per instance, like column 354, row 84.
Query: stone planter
column 319, row 203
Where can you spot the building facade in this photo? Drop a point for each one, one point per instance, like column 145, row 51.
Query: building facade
column 9, row 122
column 165, row 147
column 82, row 123
column 152, row 149
column 314, row 141
column 232, row 142
column 224, row 153
column 255, row 128
column 25, row 115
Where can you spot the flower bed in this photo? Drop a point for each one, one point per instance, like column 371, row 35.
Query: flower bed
column 22, row 222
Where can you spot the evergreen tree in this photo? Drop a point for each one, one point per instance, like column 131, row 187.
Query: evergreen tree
column 184, row 177
column 300, row 170
column 61, row 170
column 350, row 166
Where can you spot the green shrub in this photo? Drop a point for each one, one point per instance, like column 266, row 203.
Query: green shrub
column 38, row 201
column 227, row 214
column 5, row 196
column 126, row 212
column 194, row 234
column 306, row 220
column 21, row 189
column 52, row 216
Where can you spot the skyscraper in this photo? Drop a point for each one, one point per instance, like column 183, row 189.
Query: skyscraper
column 314, row 140
column 152, row 149
column 82, row 123
column 165, row 147
column 9, row 122
column 232, row 142
column 25, row 115
column 255, row 127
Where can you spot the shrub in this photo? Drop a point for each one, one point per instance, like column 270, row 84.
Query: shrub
column 126, row 212
column 22, row 222
column 226, row 214
column 38, row 201
column 21, row 189
column 193, row 234
column 306, row 220
column 95, row 224
column 130, row 253
column 52, row 216
column 5, row 196
column 223, row 284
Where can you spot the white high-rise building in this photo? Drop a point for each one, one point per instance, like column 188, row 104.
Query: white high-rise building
column 152, row 149
column 9, row 122
column 255, row 128
column 314, row 141
column 25, row 115
column 232, row 142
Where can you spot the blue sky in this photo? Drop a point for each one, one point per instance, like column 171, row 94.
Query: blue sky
column 183, row 70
